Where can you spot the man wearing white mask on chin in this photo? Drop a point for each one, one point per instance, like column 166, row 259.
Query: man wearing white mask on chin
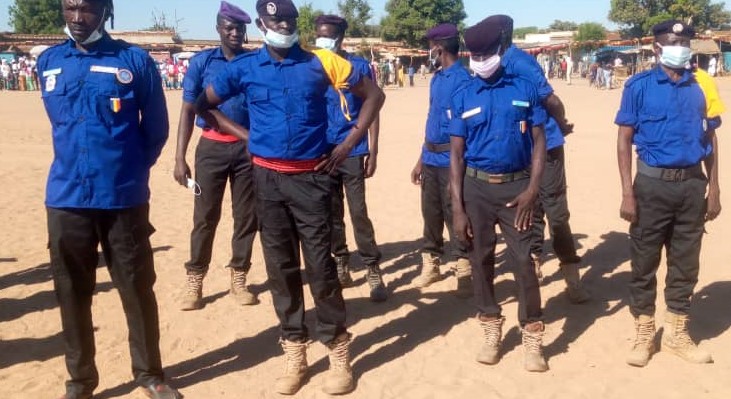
column 498, row 152
column 285, row 89
column 109, row 121
column 671, row 118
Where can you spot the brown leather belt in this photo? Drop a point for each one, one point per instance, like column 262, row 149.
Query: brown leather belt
column 497, row 178
column 437, row 147
column 669, row 174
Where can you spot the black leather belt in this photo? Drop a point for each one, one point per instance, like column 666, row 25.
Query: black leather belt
column 497, row 178
column 669, row 174
column 437, row 147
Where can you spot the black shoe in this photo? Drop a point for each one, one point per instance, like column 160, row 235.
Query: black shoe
column 375, row 281
column 161, row 391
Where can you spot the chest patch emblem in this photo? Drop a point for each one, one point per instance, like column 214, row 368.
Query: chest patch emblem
column 125, row 76
column 50, row 83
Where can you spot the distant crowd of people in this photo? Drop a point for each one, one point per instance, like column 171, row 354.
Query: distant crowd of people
column 172, row 73
column 19, row 74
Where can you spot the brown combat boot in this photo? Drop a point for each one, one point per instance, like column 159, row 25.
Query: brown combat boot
column 576, row 293
column 644, row 345
column 340, row 375
column 533, row 346
column 675, row 339
column 295, row 368
column 193, row 297
column 343, row 267
column 463, row 271
column 492, row 331
column 239, row 291
column 429, row 270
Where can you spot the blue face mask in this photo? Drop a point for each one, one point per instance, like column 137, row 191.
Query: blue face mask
column 278, row 40
column 327, row 43
column 676, row 57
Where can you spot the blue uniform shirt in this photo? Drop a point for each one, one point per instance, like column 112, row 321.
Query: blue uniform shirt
column 109, row 123
column 443, row 85
column 286, row 101
column 338, row 126
column 203, row 69
column 518, row 62
column 496, row 121
column 669, row 119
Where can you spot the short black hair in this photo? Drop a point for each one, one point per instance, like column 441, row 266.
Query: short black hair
column 450, row 45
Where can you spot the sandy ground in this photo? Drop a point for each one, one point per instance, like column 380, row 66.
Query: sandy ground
column 416, row 345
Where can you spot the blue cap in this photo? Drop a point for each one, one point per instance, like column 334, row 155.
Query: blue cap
column 233, row 13
column 484, row 37
column 442, row 32
column 277, row 8
column 340, row 22
column 673, row 26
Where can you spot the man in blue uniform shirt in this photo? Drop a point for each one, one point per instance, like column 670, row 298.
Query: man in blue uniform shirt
column 360, row 165
column 107, row 110
column 285, row 89
column 432, row 169
column 664, row 113
column 219, row 158
column 498, row 151
column 553, row 202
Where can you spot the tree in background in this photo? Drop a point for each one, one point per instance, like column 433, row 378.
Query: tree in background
column 357, row 13
column 562, row 26
column 590, row 31
column 36, row 16
column 306, row 23
column 638, row 16
column 519, row 33
column 408, row 20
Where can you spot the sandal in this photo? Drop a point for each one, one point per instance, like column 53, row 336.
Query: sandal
column 161, row 391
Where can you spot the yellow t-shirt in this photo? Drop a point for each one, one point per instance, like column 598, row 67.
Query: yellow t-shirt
column 338, row 70
column 714, row 105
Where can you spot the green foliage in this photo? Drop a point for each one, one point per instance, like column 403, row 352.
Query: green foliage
column 306, row 23
column 408, row 20
column 36, row 16
column 638, row 16
column 357, row 13
column 562, row 26
column 519, row 33
column 590, row 31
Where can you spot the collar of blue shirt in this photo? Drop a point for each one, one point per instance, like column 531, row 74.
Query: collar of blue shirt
column 662, row 76
column 295, row 55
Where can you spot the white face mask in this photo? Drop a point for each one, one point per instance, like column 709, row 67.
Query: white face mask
column 278, row 40
column 676, row 57
column 485, row 69
column 94, row 37
column 326, row 43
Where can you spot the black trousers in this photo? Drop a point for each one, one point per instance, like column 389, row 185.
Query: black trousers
column 293, row 211
column 350, row 177
column 74, row 235
column 217, row 163
column 553, row 205
column 485, row 206
column 670, row 215
column 436, row 210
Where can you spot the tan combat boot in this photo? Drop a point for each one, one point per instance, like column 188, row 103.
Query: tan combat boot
column 239, row 291
column 429, row 270
column 492, row 331
column 675, row 339
column 295, row 368
column 463, row 271
column 193, row 297
column 644, row 345
column 340, row 376
column 574, row 290
column 533, row 346
column 343, row 267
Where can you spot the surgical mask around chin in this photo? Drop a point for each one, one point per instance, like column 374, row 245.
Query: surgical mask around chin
column 94, row 37
column 485, row 69
column 278, row 40
column 326, row 43
column 676, row 57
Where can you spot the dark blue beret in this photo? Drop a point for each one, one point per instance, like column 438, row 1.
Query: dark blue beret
column 503, row 21
column 233, row 13
column 673, row 26
column 442, row 32
column 329, row 19
column 484, row 37
column 277, row 8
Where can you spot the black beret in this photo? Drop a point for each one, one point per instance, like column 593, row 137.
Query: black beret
column 442, row 32
column 277, row 8
column 484, row 37
column 330, row 19
column 503, row 21
column 673, row 26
